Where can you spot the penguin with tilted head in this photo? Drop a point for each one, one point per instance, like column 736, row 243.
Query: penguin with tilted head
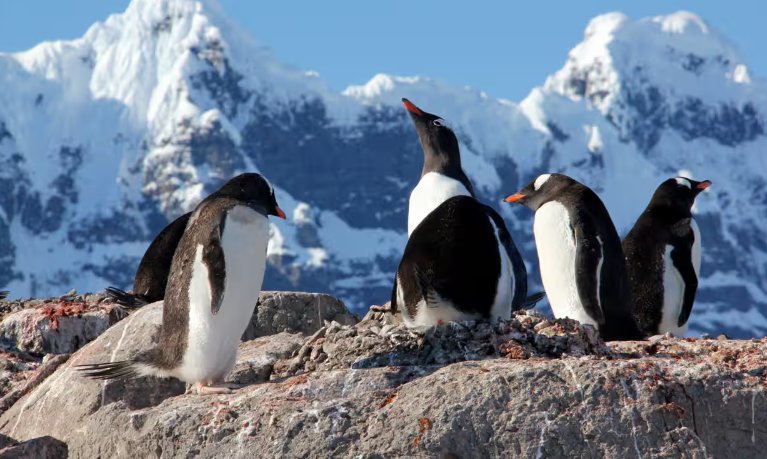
column 214, row 283
column 456, row 267
column 663, row 258
column 442, row 176
column 582, row 265
column 152, row 273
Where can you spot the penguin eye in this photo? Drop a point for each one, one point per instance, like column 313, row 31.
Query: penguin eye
column 439, row 122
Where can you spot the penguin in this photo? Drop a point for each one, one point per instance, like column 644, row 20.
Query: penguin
column 579, row 252
column 214, row 283
column 456, row 267
column 152, row 273
column 663, row 258
column 442, row 176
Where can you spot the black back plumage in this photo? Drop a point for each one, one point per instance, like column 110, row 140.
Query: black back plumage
column 665, row 222
column 454, row 253
column 605, row 295
column 152, row 273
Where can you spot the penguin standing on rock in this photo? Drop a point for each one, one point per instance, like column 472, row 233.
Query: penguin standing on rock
column 442, row 176
column 152, row 273
column 214, row 283
column 663, row 258
column 580, row 256
column 455, row 267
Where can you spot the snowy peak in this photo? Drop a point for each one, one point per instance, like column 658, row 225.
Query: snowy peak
column 678, row 53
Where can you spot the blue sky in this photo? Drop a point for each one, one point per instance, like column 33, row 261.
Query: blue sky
column 503, row 48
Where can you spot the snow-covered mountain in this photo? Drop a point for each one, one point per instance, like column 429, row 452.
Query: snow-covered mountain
column 105, row 138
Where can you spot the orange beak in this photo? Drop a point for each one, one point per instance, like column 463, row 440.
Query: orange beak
column 704, row 184
column 514, row 197
column 411, row 107
column 280, row 213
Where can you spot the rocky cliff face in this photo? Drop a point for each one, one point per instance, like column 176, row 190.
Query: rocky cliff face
column 106, row 138
column 528, row 387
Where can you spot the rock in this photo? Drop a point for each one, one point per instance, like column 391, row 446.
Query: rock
column 38, row 448
column 57, row 326
column 256, row 358
column 295, row 312
column 15, row 369
column 529, row 395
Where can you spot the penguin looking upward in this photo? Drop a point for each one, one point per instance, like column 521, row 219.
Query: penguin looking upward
column 152, row 273
column 663, row 258
column 214, row 283
column 579, row 252
column 456, row 267
column 441, row 176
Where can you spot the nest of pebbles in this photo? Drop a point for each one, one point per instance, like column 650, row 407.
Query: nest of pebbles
column 378, row 341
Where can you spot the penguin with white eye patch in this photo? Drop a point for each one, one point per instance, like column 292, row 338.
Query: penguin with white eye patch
column 442, row 176
column 663, row 258
column 214, row 282
column 582, row 265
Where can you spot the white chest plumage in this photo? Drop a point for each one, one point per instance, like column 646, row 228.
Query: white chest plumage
column 432, row 190
column 212, row 339
column 673, row 287
column 555, row 242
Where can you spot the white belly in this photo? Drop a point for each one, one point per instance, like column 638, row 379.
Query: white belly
column 673, row 288
column 212, row 339
column 432, row 190
column 556, row 255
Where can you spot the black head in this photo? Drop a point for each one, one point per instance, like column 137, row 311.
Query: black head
column 252, row 190
column 440, row 146
column 677, row 195
column 543, row 189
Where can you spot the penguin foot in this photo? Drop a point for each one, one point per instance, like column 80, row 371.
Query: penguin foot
column 202, row 388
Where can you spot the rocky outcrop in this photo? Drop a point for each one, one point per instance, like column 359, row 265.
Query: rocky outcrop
column 38, row 448
column 528, row 387
column 57, row 325
column 295, row 312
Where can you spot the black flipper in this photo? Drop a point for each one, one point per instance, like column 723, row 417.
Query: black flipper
column 682, row 259
column 427, row 289
column 533, row 299
column 109, row 370
column 4, row 294
column 213, row 258
column 519, row 271
column 123, row 298
column 588, row 255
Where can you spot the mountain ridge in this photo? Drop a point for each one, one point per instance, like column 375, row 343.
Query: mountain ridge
column 184, row 99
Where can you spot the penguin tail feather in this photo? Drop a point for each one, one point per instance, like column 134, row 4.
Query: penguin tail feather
column 109, row 370
column 532, row 300
column 123, row 298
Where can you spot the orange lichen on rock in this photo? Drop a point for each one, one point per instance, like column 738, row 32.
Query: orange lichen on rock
column 63, row 309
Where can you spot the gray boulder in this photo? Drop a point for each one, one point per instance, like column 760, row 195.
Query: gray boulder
column 295, row 312
column 37, row 448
